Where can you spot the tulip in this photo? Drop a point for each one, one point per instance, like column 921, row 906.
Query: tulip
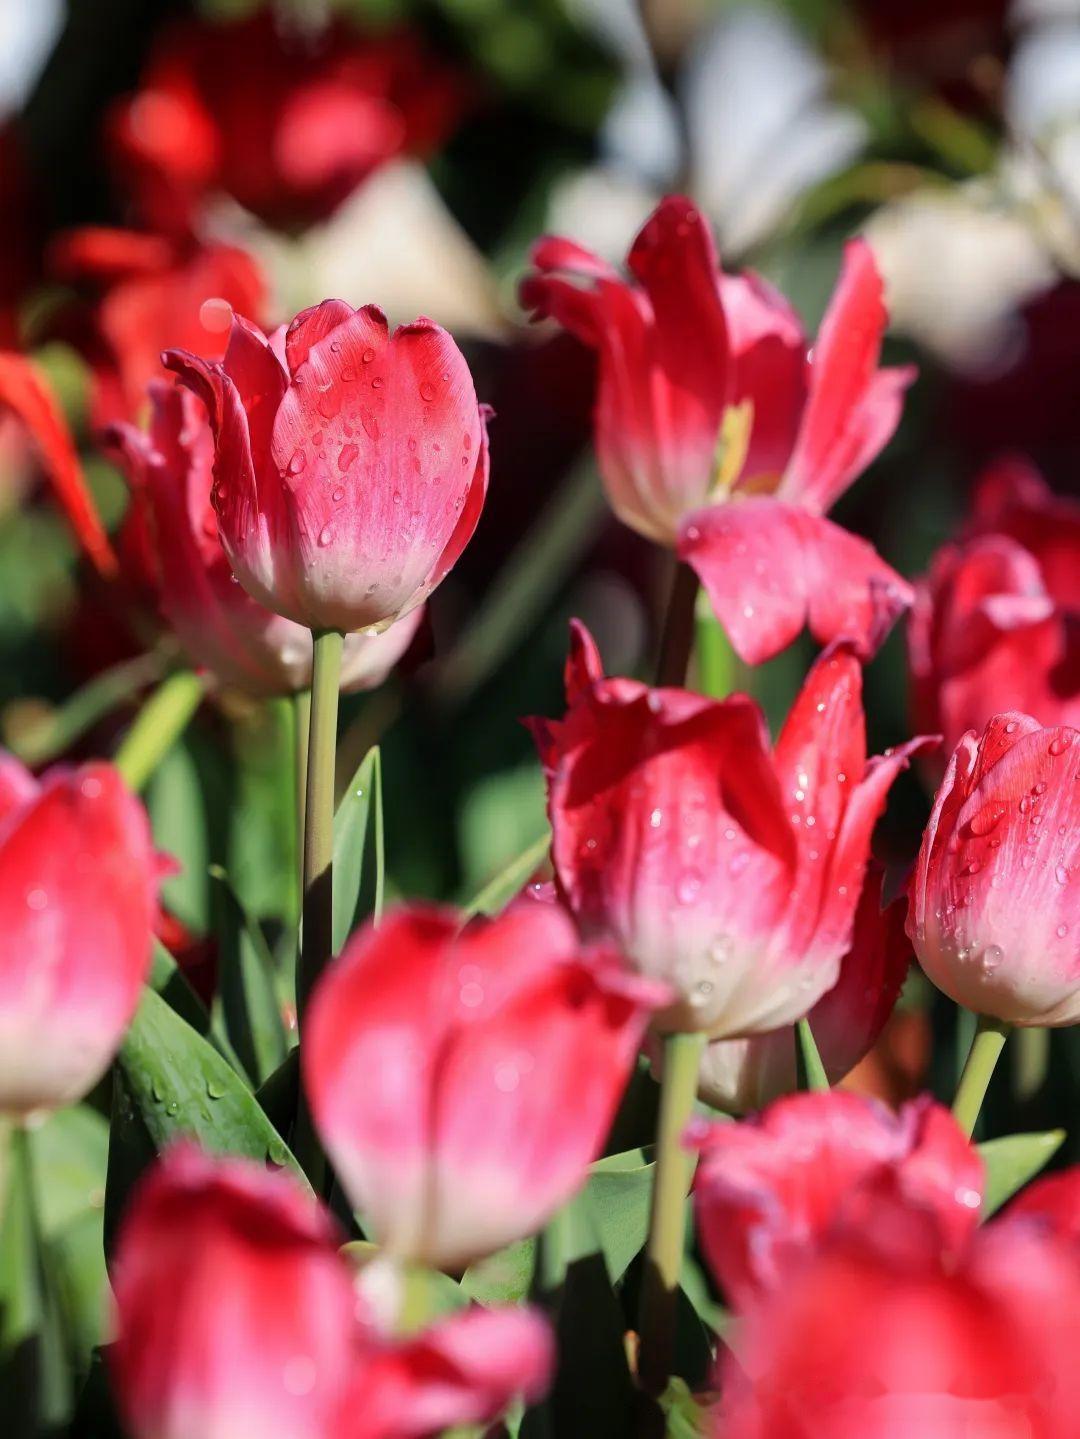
column 718, row 435
column 78, row 901
column 288, row 124
column 770, row 1190
column 462, row 1082
column 881, row 1336
column 739, row 1075
column 994, row 916
column 350, row 465
column 147, row 291
column 169, row 471
column 994, row 624
column 724, row 870
column 236, row 1314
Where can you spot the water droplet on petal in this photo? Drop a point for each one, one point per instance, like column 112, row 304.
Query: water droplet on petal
column 297, row 463
column 326, row 534
column 427, row 391
column 1060, row 743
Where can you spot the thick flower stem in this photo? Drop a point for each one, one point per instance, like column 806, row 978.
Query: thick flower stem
column 301, row 730
column 158, row 725
column 667, row 1223
column 677, row 641
column 319, row 814
column 989, row 1041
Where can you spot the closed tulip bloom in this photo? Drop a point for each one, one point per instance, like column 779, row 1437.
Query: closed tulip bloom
column 739, row 1075
column 994, row 914
column 994, row 624
column 725, row 869
column 350, row 464
column 169, row 472
column 770, row 1190
column 719, row 435
column 236, row 1314
column 462, row 1082
column 78, row 900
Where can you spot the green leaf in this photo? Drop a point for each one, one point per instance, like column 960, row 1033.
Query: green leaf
column 359, row 850
column 812, row 1074
column 181, row 825
column 684, row 1416
column 167, row 980
column 70, row 1154
column 178, row 1084
column 1012, row 1161
column 251, row 1004
column 498, row 892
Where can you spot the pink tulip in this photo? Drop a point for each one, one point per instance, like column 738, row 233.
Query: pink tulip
column 237, row 1315
column 995, row 898
column 994, row 624
column 740, row 1075
column 169, row 472
column 78, row 900
column 770, row 1190
column 728, row 871
column 463, row 1082
column 350, row 464
column 720, row 436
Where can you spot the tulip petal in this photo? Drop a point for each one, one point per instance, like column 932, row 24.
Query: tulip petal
column 310, row 326
column 770, row 568
column 852, row 407
column 769, row 356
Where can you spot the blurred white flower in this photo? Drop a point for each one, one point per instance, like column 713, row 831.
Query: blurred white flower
column 28, row 33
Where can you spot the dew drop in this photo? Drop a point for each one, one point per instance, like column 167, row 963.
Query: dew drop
column 427, row 392
column 326, row 534
column 656, row 818
column 338, row 495
column 297, row 463
column 1061, row 874
column 368, row 356
column 36, row 899
column 347, row 456
column 1060, row 743
column 377, row 382
column 993, row 954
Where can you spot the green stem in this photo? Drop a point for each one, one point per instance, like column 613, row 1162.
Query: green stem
column 715, row 662
column 667, row 1222
column 989, row 1041
column 677, row 641
column 317, row 940
column 48, row 737
column 301, row 733
column 158, row 726
column 812, row 1074
column 1031, row 1061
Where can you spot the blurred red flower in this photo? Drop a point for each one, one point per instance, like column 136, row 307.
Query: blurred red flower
column 351, row 464
column 719, row 435
column 728, row 871
column 237, row 1315
column 143, row 292
column 286, row 122
column 996, row 620
column 462, row 1082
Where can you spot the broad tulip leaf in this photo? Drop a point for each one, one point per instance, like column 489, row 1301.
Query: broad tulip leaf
column 359, row 852
column 70, row 1153
column 177, row 803
column 250, row 999
column 167, row 980
column 178, row 1084
column 1012, row 1161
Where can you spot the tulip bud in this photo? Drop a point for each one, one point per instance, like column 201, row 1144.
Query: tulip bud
column 169, row 472
column 463, row 1082
column 78, row 898
column 727, row 871
column 771, row 1189
column 350, row 465
column 237, row 1315
column 720, row 436
column 994, row 915
column 740, row 1075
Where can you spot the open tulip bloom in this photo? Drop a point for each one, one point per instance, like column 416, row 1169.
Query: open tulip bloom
column 720, row 436
column 728, row 870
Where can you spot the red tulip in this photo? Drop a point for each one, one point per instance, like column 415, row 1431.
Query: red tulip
column 739, row 1075
column 78, row 899
column 994, row 625
column 147, row 292
column 462, row 1083
column 719, row 436
column 350, row 466
column 286, row 123
column 729, row 872
column 882, row 1336
column 995, row 898
column 237, row 1315
column 769, row 1191
column 169, row 471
